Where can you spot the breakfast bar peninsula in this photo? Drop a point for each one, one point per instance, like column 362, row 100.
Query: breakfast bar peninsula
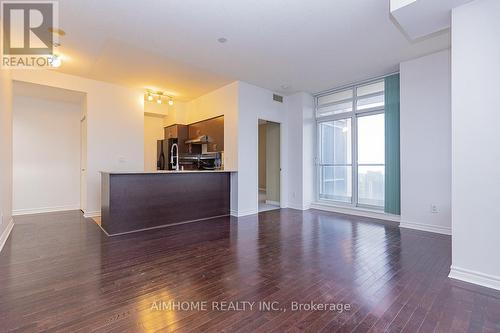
column 136, row 201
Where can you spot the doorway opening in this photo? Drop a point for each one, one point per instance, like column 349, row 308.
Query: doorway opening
column 269, row 165
column 49, row 149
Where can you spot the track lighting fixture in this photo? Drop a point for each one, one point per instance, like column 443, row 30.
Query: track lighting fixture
column 150, row 96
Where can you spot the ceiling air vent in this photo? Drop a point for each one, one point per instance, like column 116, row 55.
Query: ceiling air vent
column 277, row 98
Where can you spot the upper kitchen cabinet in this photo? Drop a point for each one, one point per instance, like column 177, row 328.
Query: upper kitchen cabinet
column 176, row 132
column 179, row 132
column 213, row 128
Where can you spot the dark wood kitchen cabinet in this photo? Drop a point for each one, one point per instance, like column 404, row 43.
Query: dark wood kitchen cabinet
column 179, row 132
column 176, row 132
column 143, row 200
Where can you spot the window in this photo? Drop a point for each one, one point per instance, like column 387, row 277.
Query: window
column 351, row 145
column 336, row 157
column 371, row 160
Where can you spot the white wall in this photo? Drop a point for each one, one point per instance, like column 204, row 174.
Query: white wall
column 223, row 101
column 153, row 108
column 308, row 150
column 242, row 105
column 302, row 141
column 153, row 131
column 46, row 155
column 115, row 126
column 475, row 138
column 177, row 114
column 426, row 142
column 5, row 155
column 257, row 103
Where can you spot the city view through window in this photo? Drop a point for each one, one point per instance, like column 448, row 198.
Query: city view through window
column 351, row 141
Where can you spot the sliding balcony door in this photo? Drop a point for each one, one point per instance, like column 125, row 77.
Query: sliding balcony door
column 336, row 160
column 351, row 156
column 371, row 160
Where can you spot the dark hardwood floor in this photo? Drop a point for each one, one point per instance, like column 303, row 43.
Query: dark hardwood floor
column 60, row 273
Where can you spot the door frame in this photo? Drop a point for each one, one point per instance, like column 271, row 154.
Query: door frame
column 280, row 125
column 83, row 163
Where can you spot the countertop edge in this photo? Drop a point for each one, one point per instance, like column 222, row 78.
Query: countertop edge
column 165, row 172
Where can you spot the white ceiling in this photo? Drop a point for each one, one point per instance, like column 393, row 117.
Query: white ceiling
column 39, row 91
column 172, row 45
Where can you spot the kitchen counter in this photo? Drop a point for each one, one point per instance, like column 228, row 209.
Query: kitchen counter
column 164, row 171
column 135, row 201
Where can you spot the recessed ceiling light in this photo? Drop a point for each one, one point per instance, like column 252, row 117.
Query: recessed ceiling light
column 285, row 86
column 222, row 40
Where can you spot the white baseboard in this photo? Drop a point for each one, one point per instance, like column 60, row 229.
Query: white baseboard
column 243, row 213
column 5, row 234
column 474, row 277
column 26, row 211
column 274, row 203
column 298, row 207
column 425, row 227
column 357, row 212
column 92, row 214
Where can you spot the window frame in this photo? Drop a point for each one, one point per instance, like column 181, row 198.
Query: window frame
column 353, row 115
column 319, row 164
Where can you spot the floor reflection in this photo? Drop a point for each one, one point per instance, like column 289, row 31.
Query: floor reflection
column 59, row 272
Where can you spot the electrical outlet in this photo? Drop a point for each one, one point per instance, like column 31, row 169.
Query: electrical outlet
column 434, row 209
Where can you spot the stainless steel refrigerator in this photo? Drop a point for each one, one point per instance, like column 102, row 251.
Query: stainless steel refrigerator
column 163, row 148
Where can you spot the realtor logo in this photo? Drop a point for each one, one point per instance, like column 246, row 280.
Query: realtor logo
column 27, row 33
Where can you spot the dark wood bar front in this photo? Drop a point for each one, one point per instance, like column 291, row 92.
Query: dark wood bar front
column 137, row 201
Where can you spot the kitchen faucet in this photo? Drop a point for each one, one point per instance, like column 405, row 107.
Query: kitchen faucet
column 176, row 156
